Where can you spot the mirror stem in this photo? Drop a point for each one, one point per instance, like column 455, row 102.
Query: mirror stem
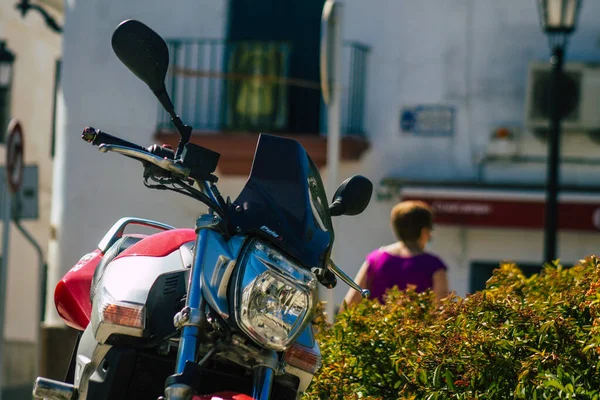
column 184, row 130
column 336, row 208
column 347, row 280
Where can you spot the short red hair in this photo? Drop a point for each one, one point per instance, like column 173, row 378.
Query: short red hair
column 408, row 218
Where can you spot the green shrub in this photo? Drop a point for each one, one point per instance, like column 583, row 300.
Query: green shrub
column 523, row 338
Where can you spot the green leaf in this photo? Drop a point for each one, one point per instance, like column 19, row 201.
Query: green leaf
column 555, row 384
column 436, row 375
column 423, row 376
column 569, row 388
column 589, row 347
column 449, row 380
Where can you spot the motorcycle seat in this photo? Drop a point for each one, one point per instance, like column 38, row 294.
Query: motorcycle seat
column 116, row 249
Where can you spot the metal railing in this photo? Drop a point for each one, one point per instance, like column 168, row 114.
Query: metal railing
column 217, row 85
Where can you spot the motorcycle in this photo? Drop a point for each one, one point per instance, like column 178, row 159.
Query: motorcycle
column 222, row 311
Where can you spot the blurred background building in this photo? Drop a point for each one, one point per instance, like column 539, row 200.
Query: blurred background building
column 442, row 101
column 29, row 97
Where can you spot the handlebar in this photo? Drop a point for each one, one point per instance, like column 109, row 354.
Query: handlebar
column 164, row 163
column 97, row 138
column 164, row 158
column 158, row 155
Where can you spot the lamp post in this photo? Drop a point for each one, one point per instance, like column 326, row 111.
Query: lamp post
column 558, row 19
column 6, row 63
column 7, row 59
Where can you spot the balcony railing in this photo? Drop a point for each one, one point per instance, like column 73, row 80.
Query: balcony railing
column 220, row 86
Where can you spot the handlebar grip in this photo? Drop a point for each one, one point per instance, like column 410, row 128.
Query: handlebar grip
column 97, row 137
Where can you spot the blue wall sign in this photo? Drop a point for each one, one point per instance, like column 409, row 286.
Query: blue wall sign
column 427, row 120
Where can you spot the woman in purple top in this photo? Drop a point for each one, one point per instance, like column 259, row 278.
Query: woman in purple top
column 404, row 262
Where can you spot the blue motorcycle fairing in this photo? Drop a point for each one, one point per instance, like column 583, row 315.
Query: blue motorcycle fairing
column 220, row 258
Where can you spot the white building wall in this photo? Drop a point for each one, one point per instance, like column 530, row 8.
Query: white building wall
column 471, row 54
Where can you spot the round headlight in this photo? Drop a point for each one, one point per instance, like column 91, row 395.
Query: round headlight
column 274, row 297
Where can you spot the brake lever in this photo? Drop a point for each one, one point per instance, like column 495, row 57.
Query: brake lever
column 164, row 163
column 346, row 279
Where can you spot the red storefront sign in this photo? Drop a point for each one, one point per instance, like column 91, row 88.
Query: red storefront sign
column 509, row 213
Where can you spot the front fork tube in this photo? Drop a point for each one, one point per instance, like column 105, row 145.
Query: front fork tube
column 191, row 315
column 263, row 376
column 190, row 332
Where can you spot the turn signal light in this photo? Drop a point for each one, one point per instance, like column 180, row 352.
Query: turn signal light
column 305, row 358
column 128, row 315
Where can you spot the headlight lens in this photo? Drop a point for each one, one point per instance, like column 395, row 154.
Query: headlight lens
column 274, row 297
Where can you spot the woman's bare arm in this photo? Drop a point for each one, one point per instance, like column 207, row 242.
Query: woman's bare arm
column 353, row 297
column 440, row 284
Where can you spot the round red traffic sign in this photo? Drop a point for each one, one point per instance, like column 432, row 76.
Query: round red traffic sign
column 15, row 163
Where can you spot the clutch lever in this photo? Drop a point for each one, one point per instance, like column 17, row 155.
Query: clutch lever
column 164, row 163
column 346, row 279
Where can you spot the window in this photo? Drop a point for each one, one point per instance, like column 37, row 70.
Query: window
column 481, row 271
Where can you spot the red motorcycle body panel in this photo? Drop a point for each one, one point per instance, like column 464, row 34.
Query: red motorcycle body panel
column 72, row 294
column 224, row 396
column 160, row 244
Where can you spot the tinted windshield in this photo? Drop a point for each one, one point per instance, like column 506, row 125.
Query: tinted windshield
column 285, row 202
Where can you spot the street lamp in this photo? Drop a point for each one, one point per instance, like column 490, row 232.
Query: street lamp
column 558, row 19
column 24, row 6
column 7, row 59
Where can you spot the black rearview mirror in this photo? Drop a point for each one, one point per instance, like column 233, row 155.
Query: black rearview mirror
column 352, row 197
column 146, row 54
column 143, row 51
